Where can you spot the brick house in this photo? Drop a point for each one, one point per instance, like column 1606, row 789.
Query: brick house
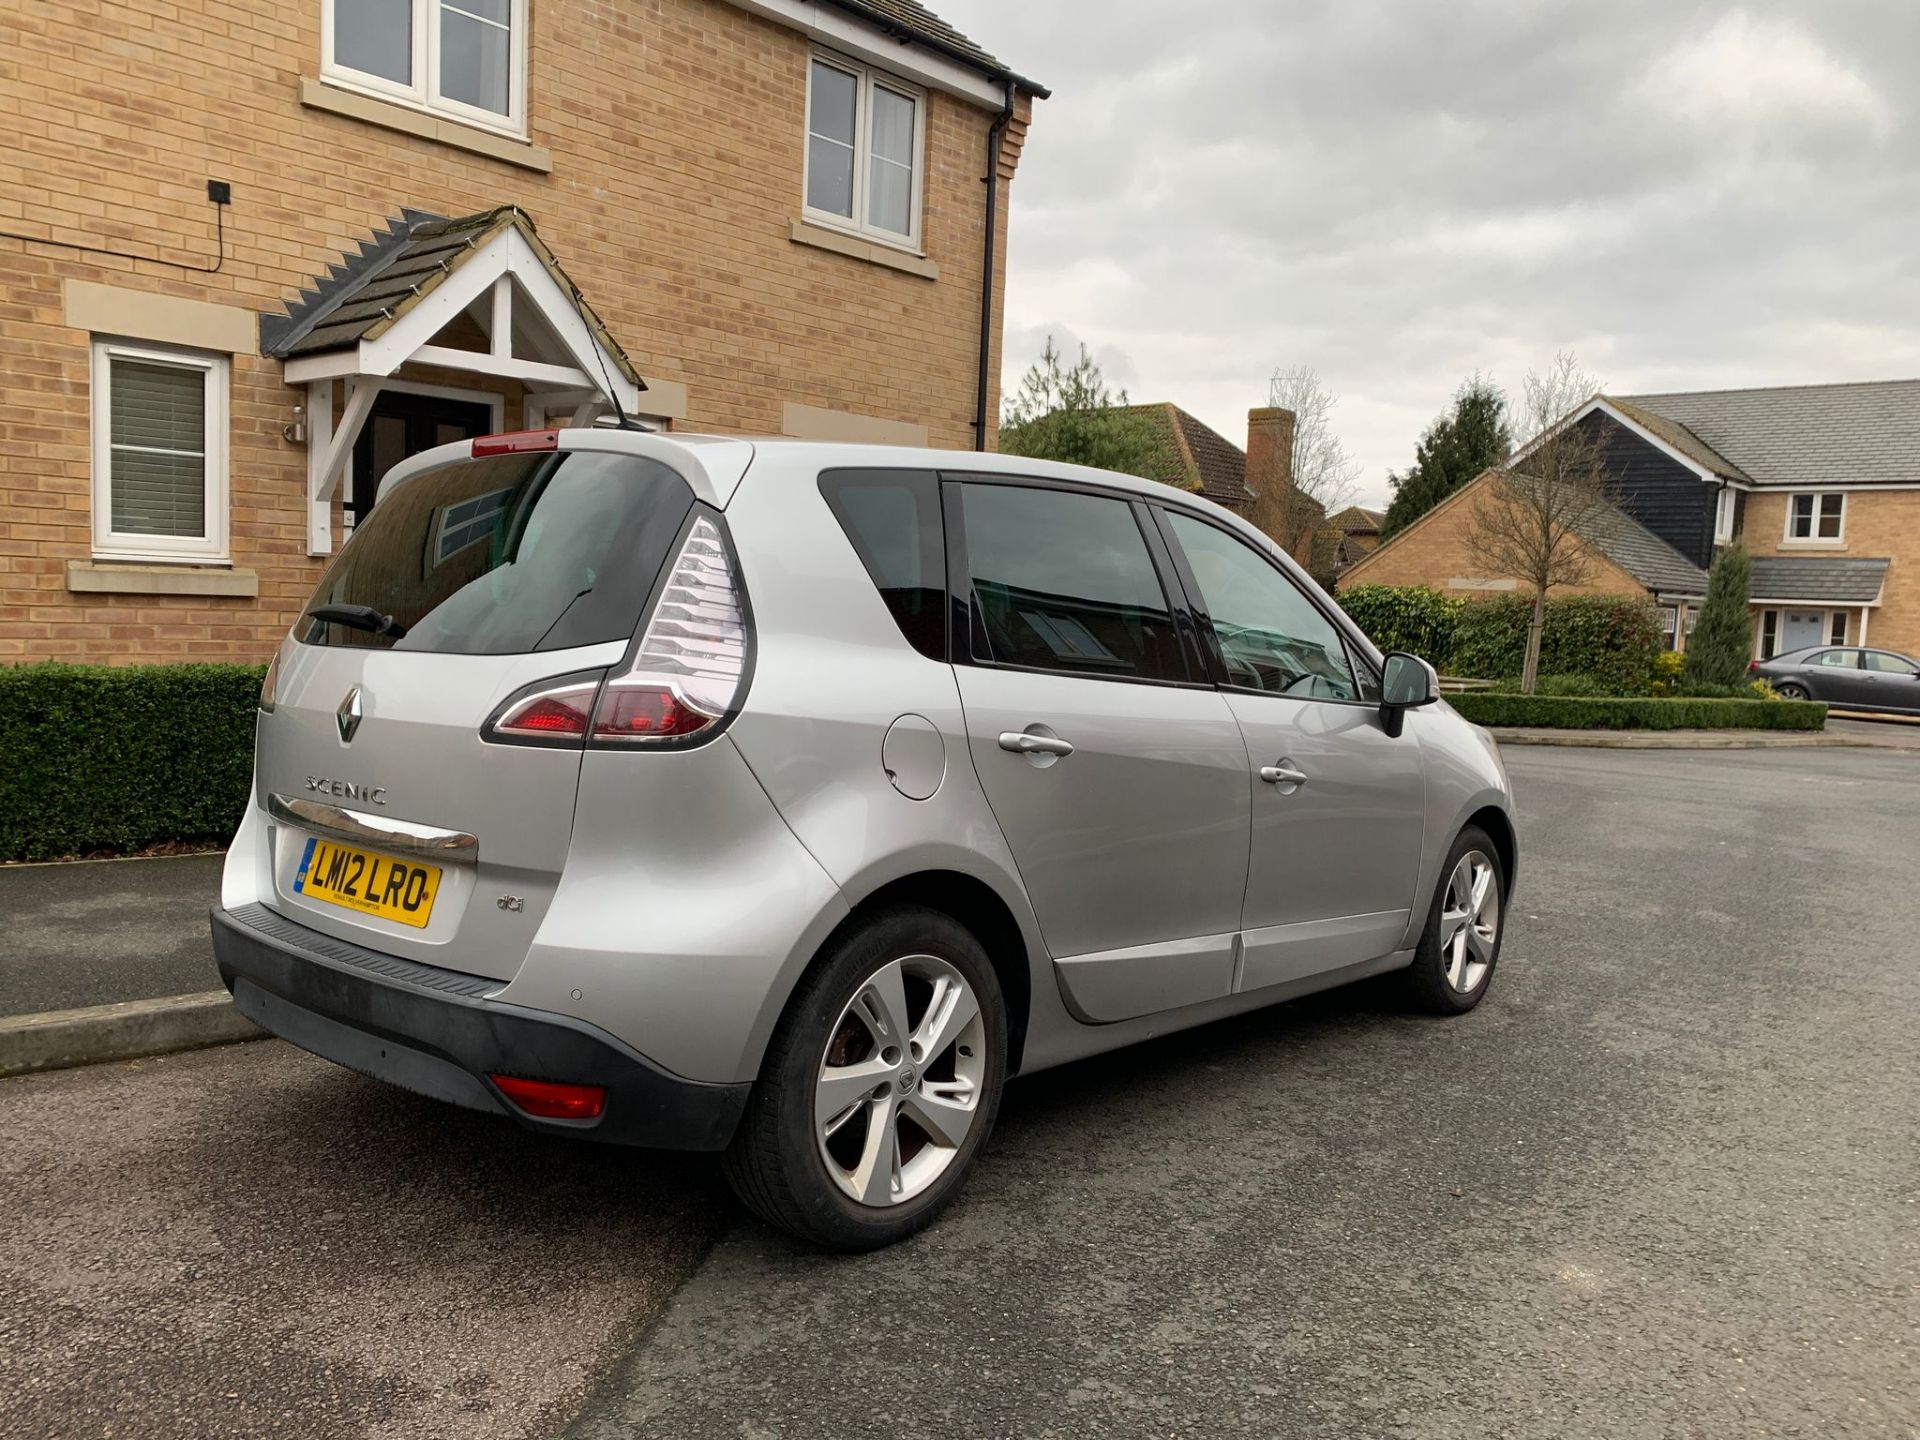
column 1358, row 530
column 1255, row 482
column 252, row 252
column 1821, row 483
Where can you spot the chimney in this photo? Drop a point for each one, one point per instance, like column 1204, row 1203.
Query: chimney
column 1269, row 453
column 1270, row 475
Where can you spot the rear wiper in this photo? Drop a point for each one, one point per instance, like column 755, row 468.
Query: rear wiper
column 359, row 617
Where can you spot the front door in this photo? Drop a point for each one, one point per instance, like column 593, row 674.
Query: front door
column 1116, row 772
column 1339, row 806
column 1801, row 628
column 402, row 424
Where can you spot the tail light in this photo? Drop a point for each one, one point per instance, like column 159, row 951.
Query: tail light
column 685, row 678
column 687, row 674
column 270, row 684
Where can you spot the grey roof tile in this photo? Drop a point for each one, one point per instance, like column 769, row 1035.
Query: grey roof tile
column 1848, row 434
column 1645, row 556
column 1839, row 579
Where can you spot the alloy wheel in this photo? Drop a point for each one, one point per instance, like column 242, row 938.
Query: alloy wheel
column 901, row 1080
column 1469, row 922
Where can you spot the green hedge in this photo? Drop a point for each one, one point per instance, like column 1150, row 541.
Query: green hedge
column 1563, row 712
column 1415, row 618
column 120, row 758
column 1612, row 639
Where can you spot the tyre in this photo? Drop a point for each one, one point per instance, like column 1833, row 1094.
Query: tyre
column 879, row 1086
column 1454, row 962
column 1791, row 690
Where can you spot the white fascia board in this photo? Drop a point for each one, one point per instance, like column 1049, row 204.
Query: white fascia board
column 840, row 31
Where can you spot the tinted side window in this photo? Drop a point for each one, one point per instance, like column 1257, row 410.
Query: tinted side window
column 1841, row 659
column 1888, row 664
column 1063, row 581
column 1271, row 636
column 893, row 519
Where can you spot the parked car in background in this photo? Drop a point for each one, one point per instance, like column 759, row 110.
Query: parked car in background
column 1845, row 675
column 785, row 799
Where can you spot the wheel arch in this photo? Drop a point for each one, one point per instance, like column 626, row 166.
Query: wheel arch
column 975, row 904
column 1498, row 827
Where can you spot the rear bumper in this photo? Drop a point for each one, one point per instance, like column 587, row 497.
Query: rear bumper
column 439, row 1033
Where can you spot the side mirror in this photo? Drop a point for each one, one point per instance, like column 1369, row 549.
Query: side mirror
column 1406, row 683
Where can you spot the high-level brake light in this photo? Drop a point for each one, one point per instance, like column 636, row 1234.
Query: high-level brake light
column 517, row 442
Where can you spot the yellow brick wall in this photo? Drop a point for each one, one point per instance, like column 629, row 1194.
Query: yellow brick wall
column 1437, row 550
column 1877, row 523
column 676, row 129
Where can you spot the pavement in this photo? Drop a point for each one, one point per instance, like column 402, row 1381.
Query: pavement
column 94, row 932
column 1665, row 1182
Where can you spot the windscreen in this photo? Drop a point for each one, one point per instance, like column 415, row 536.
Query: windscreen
column 507, row 555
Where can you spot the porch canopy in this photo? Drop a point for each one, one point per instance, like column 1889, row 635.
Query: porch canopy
column 481, row 295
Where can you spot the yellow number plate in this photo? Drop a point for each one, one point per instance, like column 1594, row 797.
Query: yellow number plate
column 372, row 884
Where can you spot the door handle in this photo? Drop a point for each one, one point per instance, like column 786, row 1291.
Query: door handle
column 1023, row 742
column 1282, row 774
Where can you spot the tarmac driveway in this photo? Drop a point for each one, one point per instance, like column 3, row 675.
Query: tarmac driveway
column 1665, row 1183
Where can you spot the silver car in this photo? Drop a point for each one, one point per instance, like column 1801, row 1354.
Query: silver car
column 785, row 799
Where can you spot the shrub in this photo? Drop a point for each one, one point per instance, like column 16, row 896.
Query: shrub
column 1613, row 639
column 1561, row 712
column 1718, row 648
column 1568, row 685
column 122, row 758
column 1415, row 618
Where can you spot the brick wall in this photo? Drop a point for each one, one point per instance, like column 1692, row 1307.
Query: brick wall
column 1437, row 550
column 677, row 134
column 1878, row 523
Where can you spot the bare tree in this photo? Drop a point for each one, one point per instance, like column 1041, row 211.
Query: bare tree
column 1321, row 478
column 1538, row 517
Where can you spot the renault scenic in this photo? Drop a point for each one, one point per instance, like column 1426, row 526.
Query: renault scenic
column 785, row 800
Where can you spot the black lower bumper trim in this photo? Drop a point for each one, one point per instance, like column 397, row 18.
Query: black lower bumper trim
column 446, row 1045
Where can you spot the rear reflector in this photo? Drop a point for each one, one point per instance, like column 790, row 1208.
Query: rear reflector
column 550, row 1100
column 646, row 712
column 516, row 443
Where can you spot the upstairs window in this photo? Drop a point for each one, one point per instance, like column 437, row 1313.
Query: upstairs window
column 159, row 453
column 1723, row 511
column 864, row 145
column 1816, row 517
column 463, row 58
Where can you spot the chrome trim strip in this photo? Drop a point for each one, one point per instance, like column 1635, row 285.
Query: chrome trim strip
column 403, row 837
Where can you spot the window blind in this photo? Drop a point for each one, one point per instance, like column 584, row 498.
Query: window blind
column 157, row 416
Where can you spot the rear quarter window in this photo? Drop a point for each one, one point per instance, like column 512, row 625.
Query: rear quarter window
column 892, row 518
column 508, row 555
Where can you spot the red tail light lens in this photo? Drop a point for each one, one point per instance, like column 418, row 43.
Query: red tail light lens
column 551, row 714
column 549, row 1100
column 646, row 712
column 518, row 442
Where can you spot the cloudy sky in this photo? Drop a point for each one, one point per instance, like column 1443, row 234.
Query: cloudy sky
column 1686, row 194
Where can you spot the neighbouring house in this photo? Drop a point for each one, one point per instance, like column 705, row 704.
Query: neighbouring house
column 1192, row 456
column 1356, row 535
column 251, row 256
column 1820, row 482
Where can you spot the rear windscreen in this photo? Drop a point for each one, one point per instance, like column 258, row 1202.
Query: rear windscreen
column 506, row 555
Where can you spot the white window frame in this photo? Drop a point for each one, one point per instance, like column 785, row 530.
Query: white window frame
column 1837, row 619
column 1724, row 509
column 1766, row 634
column 1813, row 535
column 866, row 79
column 422, row 92
column 211, row 546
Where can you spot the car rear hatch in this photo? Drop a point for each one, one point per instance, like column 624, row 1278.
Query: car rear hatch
column 402, row 817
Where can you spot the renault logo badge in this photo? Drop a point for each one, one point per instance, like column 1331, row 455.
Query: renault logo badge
column 347, row 717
